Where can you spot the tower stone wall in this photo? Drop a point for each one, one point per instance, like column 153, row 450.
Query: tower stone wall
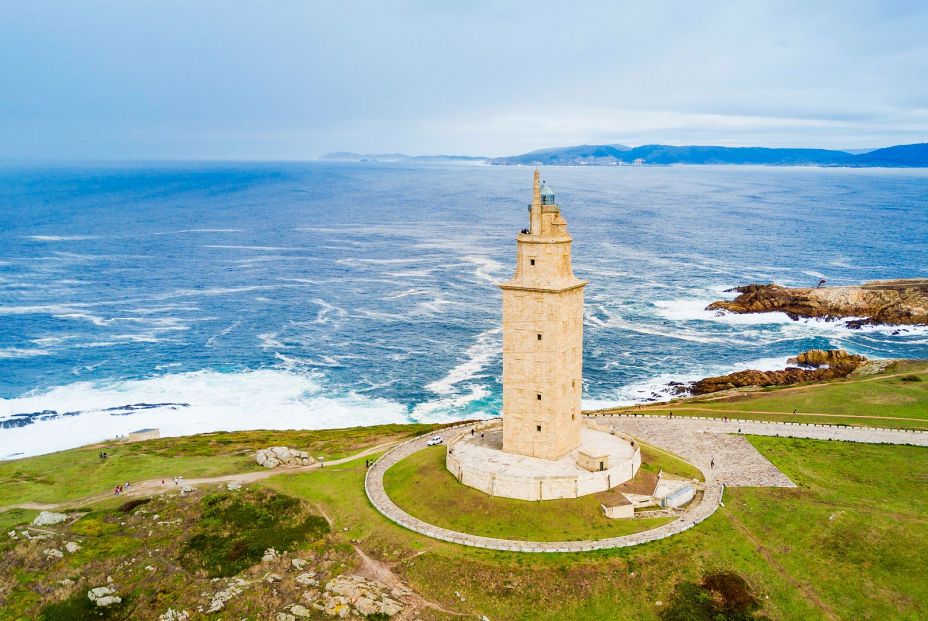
column 542, row 338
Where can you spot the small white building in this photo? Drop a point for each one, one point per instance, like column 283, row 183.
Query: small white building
column 143, row 434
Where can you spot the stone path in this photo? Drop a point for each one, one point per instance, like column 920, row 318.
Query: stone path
column 154, row 486
column 867, row 435
column 373, row 484
column 698, row 440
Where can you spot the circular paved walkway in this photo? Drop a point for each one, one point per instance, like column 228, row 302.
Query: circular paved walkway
column 696, row 439
column 373, row 484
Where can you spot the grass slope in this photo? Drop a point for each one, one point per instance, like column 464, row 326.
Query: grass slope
column 423, row 487
column 875, row 401
column 851, row 542
column 80, row 472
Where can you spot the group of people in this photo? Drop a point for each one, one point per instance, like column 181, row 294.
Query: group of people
column 103, row 455
column 120, row 489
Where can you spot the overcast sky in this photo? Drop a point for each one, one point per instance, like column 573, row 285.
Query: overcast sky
column 271, row 79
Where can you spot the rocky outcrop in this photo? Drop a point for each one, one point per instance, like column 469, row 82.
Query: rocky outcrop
column 49, row 518
column 350, row 596
column 893, row 302
column 817, row 365
column 104, row 596
column 282, row 456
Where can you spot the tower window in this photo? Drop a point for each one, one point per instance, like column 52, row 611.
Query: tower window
column 539, row 337
column 531, row 261
column 537, row 427
column 573, row 383
column 538, row 396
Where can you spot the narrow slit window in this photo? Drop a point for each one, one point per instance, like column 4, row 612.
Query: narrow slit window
column 539, row 336
column 538, row 396
column 537, row 427
column 531, row 261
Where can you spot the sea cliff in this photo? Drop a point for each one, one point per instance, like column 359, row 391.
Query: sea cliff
column 893, row 302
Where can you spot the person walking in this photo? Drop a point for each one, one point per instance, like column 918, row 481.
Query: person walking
column 712, row 464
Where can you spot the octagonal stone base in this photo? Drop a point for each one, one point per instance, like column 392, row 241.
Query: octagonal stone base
column 480, row 462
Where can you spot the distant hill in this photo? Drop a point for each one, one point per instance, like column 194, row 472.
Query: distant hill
column 602, row 154
column 915, row 155
column 908, row 155
column 347, row 156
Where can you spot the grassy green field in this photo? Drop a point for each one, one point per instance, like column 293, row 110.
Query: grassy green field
column 423, row 487
column 846, row 544
column 890, row 399
column 80, row 472
column 851, row 542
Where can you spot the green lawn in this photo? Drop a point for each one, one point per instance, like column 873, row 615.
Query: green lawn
column 851, row 542
column 866, row 562
column 423, row 487
column 79, row 472
column 881, row 400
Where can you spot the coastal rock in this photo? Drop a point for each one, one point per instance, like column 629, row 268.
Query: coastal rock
column 52, row 553
column 103, row 596
column 298, row 610
column 825, row 365
column 307, row 579
column 221, row 598
column 832, row 358
column 895, row 302
column 367, row 597
column 174, row 615
column 49, row 518
column 282, row 456
column 72, row 547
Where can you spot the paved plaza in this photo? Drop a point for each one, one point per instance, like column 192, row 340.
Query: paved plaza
column 488, row 450
column 697, row 440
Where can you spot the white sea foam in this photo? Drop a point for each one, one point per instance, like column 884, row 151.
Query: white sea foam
column 695, row 310
column 263, row 399
column 55, row 238
column 211, row 341
column 269, row 248
column 476, row 359
column 19, row 352
column 406, row 294
column 486, row 268
column 615, row 321
column 448, row 408
column 328, row 313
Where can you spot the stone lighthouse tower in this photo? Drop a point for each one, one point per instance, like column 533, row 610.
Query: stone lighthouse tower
column 542, row 337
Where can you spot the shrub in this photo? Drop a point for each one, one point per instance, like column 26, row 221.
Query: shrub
column 910, row 378
column 236, row 529
column 130, row 506
column 721, row 596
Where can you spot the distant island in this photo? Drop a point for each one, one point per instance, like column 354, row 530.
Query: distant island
column 900, row 156
column 348, row 156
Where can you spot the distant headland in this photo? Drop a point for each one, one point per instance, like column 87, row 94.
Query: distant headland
column 899, row 156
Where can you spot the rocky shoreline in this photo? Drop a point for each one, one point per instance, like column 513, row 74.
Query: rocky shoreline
column 880, row 302
column 814, row 365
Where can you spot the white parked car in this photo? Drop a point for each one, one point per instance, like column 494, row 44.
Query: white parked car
column 435, row 441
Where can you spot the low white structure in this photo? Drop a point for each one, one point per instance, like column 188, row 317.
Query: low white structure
column 619, row 511
column 672, row 492
column 477, row 460
column 143, row 434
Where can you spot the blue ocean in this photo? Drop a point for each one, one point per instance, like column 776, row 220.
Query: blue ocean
column 197, row 297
